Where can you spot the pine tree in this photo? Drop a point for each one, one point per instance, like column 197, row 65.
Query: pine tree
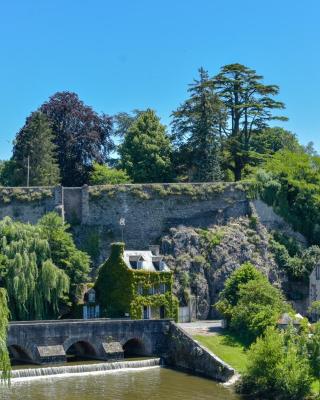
column 249, row 105
column 146, row 150
column 35, row 141
column 197, row 126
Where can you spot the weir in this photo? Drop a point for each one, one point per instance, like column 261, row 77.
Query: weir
column 85, row 368
column 49, row 342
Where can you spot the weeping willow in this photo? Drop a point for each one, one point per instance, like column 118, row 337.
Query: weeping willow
column 34, row 284
column 4, row 356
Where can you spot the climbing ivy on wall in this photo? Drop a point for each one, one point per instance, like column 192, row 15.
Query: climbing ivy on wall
column 117, row 288
column 4, row 356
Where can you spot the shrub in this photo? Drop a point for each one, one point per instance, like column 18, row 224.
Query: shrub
column 276, row 369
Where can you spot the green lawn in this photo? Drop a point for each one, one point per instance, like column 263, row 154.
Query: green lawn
column 226, row 347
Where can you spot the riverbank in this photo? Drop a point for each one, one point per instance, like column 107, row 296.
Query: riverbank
column 227, row 347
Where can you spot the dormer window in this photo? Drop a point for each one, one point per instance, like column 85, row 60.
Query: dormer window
column 157, row 262
column 136, row 262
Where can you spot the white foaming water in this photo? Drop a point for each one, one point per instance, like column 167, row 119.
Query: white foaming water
column 86, row 369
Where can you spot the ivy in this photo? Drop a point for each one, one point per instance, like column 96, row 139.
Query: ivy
column 118, row 288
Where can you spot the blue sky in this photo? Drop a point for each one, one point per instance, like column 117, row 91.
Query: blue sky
column 126, row 54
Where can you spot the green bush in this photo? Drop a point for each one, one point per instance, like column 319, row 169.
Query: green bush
column 104, row 175
column 250, row 303
column 276, row 369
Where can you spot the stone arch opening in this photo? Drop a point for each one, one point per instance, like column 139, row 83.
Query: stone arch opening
column 81, row 350
column 134, row 348
column 18, row 355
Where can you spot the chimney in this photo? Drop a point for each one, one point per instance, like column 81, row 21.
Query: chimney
column 155, row 249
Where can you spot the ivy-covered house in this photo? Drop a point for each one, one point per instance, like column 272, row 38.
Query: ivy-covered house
column 136, row 284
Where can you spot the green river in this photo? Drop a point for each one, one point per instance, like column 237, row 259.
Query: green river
column 141, row 384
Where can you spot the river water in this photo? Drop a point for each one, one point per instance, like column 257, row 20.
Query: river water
column 152, row 383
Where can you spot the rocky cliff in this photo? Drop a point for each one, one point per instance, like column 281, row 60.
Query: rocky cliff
column 202, row 259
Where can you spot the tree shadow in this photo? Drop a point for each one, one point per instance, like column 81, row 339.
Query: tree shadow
column 233, row 340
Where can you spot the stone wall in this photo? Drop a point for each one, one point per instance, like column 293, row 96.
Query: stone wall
column 48, row 342
column 186, row 353
column 149, row 210
column 29, row 204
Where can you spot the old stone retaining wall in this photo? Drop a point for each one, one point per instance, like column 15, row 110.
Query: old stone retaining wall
column 149, row 210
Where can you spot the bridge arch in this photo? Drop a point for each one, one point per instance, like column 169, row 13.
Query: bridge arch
column 134, row 347
column 19, row 354
column 80, row 349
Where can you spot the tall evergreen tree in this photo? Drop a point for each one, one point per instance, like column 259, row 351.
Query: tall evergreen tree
column 146, row 150
column 197, row 125
column 35, row 141
column 249, row 106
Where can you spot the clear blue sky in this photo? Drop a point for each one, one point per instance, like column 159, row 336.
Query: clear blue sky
column 124, row 54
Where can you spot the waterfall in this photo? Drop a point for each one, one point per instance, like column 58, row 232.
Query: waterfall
column 84, row 369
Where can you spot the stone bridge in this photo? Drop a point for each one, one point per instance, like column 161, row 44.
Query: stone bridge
column 42, row 342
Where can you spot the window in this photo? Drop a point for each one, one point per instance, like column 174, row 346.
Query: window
column 146, row 312
column 134, row 264
column 140, row 289
column 92, row 296
column 156, row 265
column 318, row 272
column 163, row 288
column 151, row 290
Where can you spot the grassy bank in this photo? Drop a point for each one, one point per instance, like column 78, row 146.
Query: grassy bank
column 228, row 348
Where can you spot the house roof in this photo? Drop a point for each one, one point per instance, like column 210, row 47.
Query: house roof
column 146, row 260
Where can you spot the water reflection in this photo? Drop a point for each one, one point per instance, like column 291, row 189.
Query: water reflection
column 154, row 383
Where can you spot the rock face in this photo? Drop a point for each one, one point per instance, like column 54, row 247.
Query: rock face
column 203, row 259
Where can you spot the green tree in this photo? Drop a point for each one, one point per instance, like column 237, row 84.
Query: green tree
column 290, row 183
column 230, row 294
column 197, row 126
column 250, row 303
column 4, row 317
column 146, row 150
column 270, row 140
column 63, row 250
column 249, row 105
column 34, row 284
column 104, row 175
column 314, row 350
column 259, row 306
column 276, row 369
column 35, row 141
column 7, row 173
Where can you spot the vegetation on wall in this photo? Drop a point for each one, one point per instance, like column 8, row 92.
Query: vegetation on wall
column 7, row 195
column 118, row 288
column 290, row 183
column 202, row 191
